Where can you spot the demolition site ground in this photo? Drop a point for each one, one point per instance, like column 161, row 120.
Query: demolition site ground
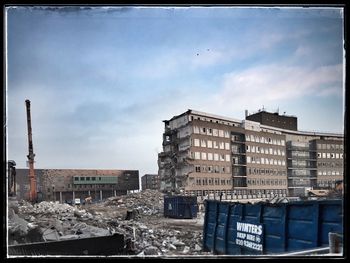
column 137, row 216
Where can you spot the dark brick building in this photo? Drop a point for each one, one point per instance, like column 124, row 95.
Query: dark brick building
column 274, row 120
column 150, row 181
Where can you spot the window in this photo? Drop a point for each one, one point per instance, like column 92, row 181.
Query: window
column 82, row 178
column 204, row 130
column 197, row 155
column 196, row 142
column 210, row 156
column 216, row 146
column 210, row 144
column 227, row 146
column 210, row 131
column 215, row 132
column 248, row 159
column 318, row 155
column 198, row 169
column 87, row 178
column 221, row 145
column 222, row 157
column 210, row 169
column 227, row 157
column 221, row 133
column 203, row 143
column 248, row 148
column 204, row 156
column 195, row 129
column 216, row 157
column 227, row 135
column 76, row 178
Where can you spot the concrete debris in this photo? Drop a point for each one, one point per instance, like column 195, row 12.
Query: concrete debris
column 138, row 216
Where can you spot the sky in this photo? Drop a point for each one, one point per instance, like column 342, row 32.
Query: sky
column 101, row 80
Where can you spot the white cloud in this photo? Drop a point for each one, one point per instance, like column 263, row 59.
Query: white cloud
column 273, row 83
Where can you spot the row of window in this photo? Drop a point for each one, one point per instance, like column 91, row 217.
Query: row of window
column 266, row 182
column 217, row 193
column 326, row 182
column 212, row 169
column 329, row 164
column 210, row 156
column 267, row 140
column 329, row 172
column 214, row 121
column 86, row 178
column 267, row 171
column 211, row 144
column 261, row 160
column 213, row 181
column 330, row 155
column 323, row 146
column 211, row 132
column 258, row 149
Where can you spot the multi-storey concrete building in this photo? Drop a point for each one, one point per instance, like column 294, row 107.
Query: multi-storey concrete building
column 65, row 185
column 207, row 154
column 150, row 181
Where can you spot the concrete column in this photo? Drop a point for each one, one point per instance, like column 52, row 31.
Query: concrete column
column 89, row 192
column 61, row 197
column 100, row 195
column 73, row 196
column 115, row 192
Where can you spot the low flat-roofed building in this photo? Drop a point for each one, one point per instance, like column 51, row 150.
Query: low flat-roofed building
column 65, row 185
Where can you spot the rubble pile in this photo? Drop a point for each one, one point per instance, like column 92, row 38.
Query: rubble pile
column 148, row 202
column 145, row 233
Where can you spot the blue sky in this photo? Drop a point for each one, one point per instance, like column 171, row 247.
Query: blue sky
column 102, row 79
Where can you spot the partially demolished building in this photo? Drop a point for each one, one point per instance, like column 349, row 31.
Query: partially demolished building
column 205, row 154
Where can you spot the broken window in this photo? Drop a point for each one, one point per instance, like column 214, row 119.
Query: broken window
column 198, row 168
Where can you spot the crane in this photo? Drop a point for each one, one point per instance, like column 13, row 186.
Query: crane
column 32, row 179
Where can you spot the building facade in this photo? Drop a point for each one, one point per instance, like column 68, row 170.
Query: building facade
column 205, row 154
column 150, row 181
column 65, row 185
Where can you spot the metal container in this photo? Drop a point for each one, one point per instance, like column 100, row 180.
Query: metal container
column 105, row 245
column 180, row 207
column 265, row 228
